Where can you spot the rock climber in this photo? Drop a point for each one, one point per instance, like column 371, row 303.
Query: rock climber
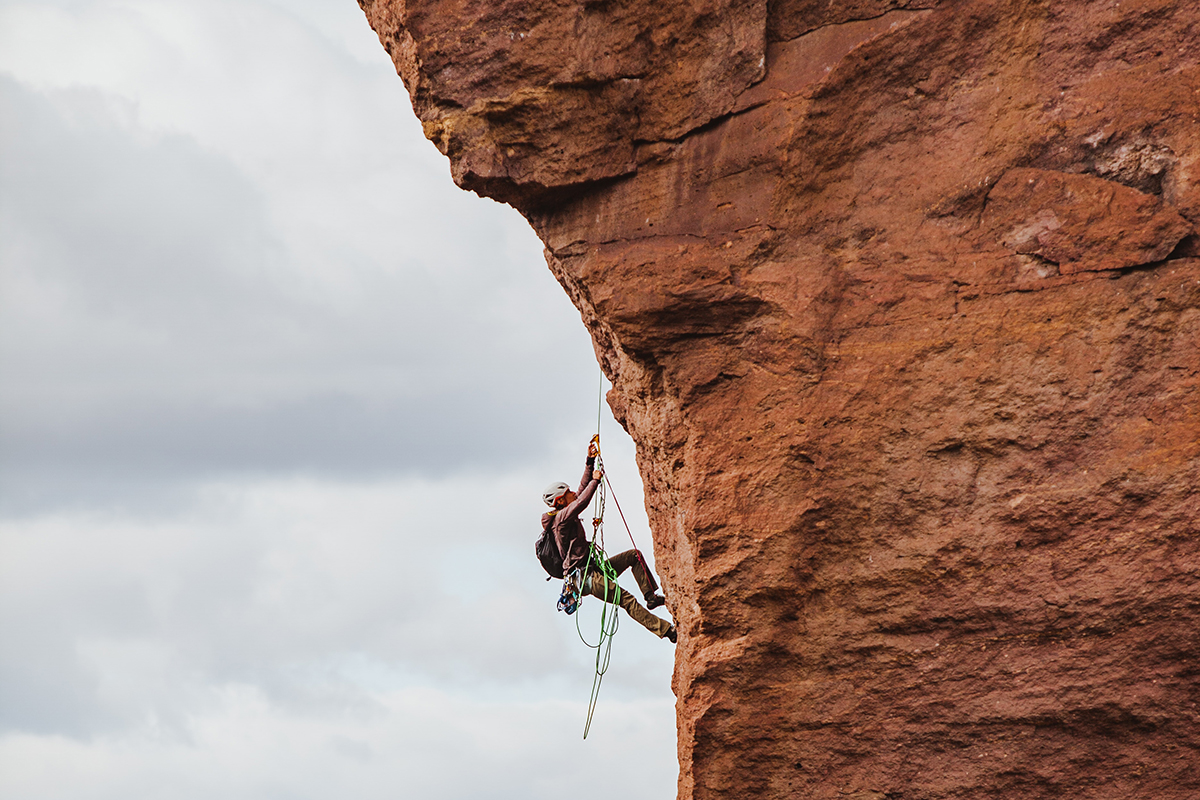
column 564, row 525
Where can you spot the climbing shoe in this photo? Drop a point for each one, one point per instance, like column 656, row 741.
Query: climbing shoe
column 670, row 634
column 653, row 601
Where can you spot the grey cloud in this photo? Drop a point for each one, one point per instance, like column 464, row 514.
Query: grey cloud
column 166, row 344
column 112, row 214
column 276, row 401
column 86, row 456
column 279, row 589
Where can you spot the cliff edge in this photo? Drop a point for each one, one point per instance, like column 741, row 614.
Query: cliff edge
column 900, row 300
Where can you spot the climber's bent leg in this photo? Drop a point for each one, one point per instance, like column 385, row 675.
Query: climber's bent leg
column 623, row 561
column 595, row 585
column 656, row 625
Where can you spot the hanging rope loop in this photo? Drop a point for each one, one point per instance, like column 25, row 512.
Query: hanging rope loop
column 599, row 569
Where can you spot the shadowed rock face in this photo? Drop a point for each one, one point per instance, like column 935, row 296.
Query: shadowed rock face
column 901, row 304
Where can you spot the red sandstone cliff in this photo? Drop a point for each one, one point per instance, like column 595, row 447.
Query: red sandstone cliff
column 901, row 304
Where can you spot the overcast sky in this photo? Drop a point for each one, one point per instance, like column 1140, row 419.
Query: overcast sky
column 277, row 402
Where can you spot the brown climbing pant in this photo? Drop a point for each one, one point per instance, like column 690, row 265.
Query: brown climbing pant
column 595, row 586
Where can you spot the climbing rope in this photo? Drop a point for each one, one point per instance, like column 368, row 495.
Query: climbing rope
column 599, row 406
column 599, row 564
column 598, row 561
column 640, row 558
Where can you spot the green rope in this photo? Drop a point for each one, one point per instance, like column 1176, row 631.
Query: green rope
column 611, row 595
column 609, row 622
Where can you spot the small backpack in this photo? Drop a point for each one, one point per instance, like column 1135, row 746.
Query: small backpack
column 547, row 552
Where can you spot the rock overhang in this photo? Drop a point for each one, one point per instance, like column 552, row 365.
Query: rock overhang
column 901, row 306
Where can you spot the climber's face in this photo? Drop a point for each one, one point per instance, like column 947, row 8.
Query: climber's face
column 566, row 499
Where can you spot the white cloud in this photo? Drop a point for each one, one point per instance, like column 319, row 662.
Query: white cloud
column 417, row 743
column 276, row 403
column 172, row 302
column 311, row 613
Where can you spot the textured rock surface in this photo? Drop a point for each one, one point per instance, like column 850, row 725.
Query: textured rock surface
column 901, row 304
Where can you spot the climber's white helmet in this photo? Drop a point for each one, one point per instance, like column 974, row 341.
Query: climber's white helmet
column 555, row 491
